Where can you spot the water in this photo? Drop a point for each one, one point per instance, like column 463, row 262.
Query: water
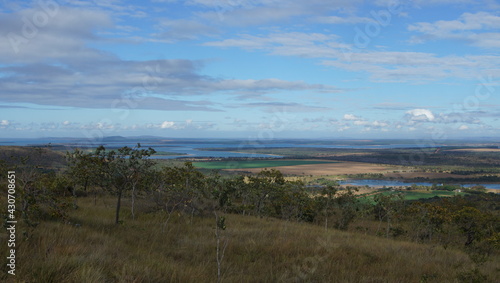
column 194, row 151
column 184, row 149
column 193, row 148
column 391, row 183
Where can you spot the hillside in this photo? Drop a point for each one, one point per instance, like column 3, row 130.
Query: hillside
column 93, row 249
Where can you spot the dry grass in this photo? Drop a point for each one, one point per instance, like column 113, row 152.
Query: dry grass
column 259, row 250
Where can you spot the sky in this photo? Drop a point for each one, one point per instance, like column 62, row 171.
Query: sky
column 257, row 69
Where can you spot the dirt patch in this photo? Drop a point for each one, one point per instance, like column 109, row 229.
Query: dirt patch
column 340, row 168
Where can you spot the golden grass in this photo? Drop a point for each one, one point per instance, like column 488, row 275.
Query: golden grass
column 259, row 250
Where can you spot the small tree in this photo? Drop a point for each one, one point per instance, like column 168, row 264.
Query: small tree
column 327, row 201
column 40, row 192
column 346, row 202
column 117, row 171
column 262, row 187
column 388, row 207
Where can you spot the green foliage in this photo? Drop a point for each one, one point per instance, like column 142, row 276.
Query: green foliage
column 116, row 171
column 427, row 219
column 388, row 207
column 347, row 202
column 474, row 224
column 41, row 194
column 472, row 276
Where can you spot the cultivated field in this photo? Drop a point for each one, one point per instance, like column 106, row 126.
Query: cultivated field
column 328, row 168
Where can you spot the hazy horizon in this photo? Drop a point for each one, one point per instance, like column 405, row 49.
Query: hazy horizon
column 258, row 69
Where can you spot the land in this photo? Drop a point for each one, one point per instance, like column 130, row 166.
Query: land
column 93, row 249
column 444, row 163
column 170, row 228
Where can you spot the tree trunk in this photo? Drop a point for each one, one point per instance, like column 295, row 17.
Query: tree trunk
column 86, row 184
column 133, row 201
column 118, row 204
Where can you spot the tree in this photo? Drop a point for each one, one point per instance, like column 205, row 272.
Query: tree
column 290, row 201
column 262, row 186
column 180, row 188
column 327, row 201
column 472, row 223
column 82, row 168
column 346, row 202
column 427, row 219
column 40, row 192
column 117, row 171
column 388, row 207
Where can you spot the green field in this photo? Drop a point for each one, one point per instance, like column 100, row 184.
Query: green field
column 255, row 164
column 416, row 195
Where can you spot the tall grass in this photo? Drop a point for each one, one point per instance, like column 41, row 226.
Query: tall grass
column 93, row 249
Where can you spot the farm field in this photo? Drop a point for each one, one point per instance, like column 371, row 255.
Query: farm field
column 251, row 164
column 411, row 195
column 319, row 168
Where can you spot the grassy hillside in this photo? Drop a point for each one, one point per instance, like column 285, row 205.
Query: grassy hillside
column 93, row 249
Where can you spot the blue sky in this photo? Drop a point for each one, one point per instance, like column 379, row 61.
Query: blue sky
column 250, row 68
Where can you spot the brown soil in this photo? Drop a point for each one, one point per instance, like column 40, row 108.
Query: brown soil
column 339, row 168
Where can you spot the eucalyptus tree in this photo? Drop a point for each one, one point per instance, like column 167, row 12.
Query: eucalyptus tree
column 264, row 186
column 347, row 203
column 115, row 170
column 389, row 208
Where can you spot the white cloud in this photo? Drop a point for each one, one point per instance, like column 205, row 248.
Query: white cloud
column 183, row 29
column 379, row 124
column 351, row 117
column 4, row 123
column 480, row 29
column 385, row 66
column 344, row 20
column 463, row 127
column 167, row 125
column 259, row 12
column 420, row 115
column 361, row 123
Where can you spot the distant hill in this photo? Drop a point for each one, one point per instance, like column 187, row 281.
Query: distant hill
column 114, row 139
column 40, row 156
